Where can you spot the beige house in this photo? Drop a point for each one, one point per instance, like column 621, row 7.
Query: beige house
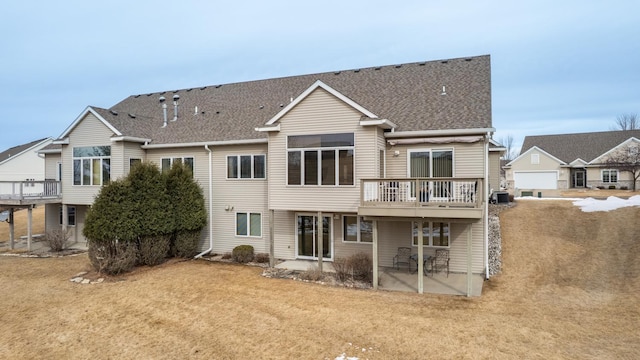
column 568, row 161
column 311, row 167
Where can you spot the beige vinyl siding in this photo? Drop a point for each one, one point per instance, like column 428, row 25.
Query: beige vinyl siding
column 398, row 233
column 467, row 158
column 320, row 113
column 284, row 234
column 231, row 196
column 494, row 171
column 131, row 151
column 51, row 217
column 51, row 165
column 88, row 132
column 524, row 163
column 345, row 249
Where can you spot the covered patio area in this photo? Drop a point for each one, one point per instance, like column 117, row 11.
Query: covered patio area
column 438, row 283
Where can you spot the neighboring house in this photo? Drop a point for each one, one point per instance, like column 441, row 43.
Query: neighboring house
column 567, row 161
column 22, row 164
column 313, row 166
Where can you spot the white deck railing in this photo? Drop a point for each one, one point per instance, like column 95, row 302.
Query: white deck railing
column 421, row 192
column 21, row 190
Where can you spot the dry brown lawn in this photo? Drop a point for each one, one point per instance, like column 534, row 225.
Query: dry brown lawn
column 570, row 289
column 20, row 220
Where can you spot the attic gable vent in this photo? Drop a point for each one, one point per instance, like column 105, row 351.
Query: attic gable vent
column 113, row 112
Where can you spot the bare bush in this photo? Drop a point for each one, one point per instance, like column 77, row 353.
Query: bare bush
column 57, row 239
column 261, row 258
column 312, row 275
column 112, row 258
column 361, row 267
column 153, row 249
column 343, row 270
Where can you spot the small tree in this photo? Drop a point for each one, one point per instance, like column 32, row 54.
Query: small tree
column 626, row 160
column 153, row 212
column 111, row 229
column 189, row 212
column 511, row 152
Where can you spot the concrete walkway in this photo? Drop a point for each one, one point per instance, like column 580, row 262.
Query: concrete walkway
column 440, row 283
column 304, row 265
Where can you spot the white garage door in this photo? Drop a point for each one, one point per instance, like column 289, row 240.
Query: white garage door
column 536, row 180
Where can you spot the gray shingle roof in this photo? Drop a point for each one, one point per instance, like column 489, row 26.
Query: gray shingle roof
column 585, row 146
column 15, row 150
column 408, row 95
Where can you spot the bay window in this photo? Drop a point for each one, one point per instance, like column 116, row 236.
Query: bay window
column 91, row 165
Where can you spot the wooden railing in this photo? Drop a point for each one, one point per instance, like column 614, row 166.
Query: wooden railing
column 20, row 190
column 404, row 192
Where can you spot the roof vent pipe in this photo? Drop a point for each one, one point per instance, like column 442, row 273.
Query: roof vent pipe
column 164, row 110
column 175, row 107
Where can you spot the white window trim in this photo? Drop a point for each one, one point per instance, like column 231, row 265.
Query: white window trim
column 431, row 150
column 319, row 161
column 609, row 170
column 252, row 167
column 75, row 215
column 331, row 235
column 429, row 242
column 248, row 213
column 358, row 240
column 182, row 159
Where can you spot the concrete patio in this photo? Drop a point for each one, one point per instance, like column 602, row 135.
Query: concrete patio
column 402, row 280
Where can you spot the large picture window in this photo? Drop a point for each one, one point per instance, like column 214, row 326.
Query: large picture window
column 434, row 234
column 246, row 167
column 91, row 165
column 356, row 229
column 248, row 224
column 326, row 159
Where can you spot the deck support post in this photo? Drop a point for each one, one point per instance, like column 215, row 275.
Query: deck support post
column 375, row 254
column 12, row 238
column 320, row 240
column 272, row 260
column 29, row 226
column 420, row 257
column 469, row 260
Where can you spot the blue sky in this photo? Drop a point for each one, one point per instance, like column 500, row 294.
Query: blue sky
column 557, row 66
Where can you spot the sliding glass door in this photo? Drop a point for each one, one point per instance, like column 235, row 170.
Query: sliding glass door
column 431, row 163
column 307, row 236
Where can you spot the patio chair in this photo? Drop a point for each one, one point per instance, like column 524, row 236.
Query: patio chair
column 403, row 258
column 441, row 261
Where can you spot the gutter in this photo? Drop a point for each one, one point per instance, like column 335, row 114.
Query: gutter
column 205, row 144
column 486, row 205
column 210, row 205
column 426, row 133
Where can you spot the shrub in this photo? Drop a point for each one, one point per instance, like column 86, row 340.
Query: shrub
column 242, row 253
column 152, row 250
column 226, row 256
column 341, row 266
column 312, row 275
column 112, row 258
column 361, row 267
column 56, row 239
column 261, row 258
column 185, row 243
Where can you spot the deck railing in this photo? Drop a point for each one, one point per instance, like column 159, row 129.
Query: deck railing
column 404, row 192
column 21, row 190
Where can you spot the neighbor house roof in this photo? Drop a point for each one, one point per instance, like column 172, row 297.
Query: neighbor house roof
column 585, row 146
column 433, row 95
column 19, row 149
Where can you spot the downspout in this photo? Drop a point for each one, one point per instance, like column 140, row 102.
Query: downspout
column 210, row 205
column 486, row 205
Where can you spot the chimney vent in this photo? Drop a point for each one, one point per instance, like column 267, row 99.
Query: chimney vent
column 164, row 109
column 175, row 107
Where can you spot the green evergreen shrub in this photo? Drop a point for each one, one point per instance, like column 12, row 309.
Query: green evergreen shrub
column 189, row 211
column 242, row 253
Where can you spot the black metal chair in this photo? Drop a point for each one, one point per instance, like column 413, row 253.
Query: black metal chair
column 441, row 261
column 403, row 258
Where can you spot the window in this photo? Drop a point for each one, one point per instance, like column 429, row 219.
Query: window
column 356, row 229
column 133, row 162
column 248, row 224
column 326, row 159
column 246, row 167
column 168, row 162
column 535, row 159
column 71, row 215
column 609, row 176
column 434, row 234
column 426, row 163
column 91, row 165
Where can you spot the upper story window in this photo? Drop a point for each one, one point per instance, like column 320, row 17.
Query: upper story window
column 326, row 159
column 91, row 165
column 167, row 162
column 246, row 167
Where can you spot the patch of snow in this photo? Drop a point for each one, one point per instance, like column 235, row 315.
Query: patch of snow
column 345, row 357
column 611, row 203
